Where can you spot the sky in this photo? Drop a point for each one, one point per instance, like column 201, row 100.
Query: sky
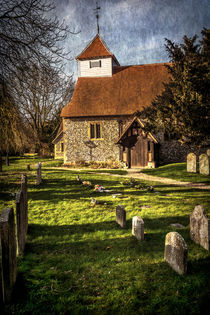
column 134, row 30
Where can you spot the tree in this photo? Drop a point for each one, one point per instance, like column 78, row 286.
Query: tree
column 40, row 100
column 30, row 34
column 182, row 109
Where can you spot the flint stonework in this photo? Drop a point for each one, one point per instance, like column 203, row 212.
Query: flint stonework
column 191, row 163
column 20, row 222
column 121, row 216
column 200, row 227
column 24, row 188
column 8, row 251
column 176, row 252
column 138, row 227
column 204, row 164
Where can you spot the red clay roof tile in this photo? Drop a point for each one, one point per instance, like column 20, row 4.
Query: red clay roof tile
column 129, row 89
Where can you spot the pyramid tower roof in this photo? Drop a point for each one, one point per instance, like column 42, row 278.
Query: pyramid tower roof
column 96, row 49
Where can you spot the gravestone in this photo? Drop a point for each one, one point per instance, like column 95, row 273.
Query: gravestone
column 20, row 222
column 121, row 216
column 208, row 152
column 24, row 188
column 176, row 252
column 200, row 227
column 8, row 253
column 204, row 164
column 39, row 173
column 28, row 167
column 138, row 228
column 191, row 163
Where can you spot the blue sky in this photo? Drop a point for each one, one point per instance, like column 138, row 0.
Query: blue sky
column 134, row 30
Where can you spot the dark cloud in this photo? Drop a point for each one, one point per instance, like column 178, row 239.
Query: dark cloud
column 134, row 30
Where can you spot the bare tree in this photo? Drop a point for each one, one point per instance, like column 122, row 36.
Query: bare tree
column 40, row 100
column 29, row 33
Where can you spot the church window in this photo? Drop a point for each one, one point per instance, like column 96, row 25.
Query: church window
column 62, row 147
column 95, row 63
column 95, row 131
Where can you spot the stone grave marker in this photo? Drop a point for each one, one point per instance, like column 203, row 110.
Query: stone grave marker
column 191, row 163
column 20, row 222
column 176, row 252
column 24, row 188
column 121, row 216
column 200, row 227
column 208, row 152
column 8, row 252
column 138, row 227
column 39, row 173
column 204, row 164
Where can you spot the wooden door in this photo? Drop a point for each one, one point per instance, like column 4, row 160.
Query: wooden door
column 139, row 153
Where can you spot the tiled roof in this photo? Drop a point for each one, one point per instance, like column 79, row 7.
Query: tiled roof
column 96, row 49
column 128, row 90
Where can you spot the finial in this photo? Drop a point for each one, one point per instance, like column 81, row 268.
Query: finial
column 96, row 11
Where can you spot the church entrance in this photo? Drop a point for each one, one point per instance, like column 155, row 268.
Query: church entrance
column 138, row 149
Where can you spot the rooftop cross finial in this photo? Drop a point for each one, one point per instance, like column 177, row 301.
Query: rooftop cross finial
column 96, row 10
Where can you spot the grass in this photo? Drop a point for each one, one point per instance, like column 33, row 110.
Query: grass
column 179, row 172
column 77, row 260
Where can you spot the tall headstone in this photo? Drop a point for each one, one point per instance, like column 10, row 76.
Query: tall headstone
column 176, row 252
column 191, row 163
column 208, row 152
column 39, row 173
column 138, row 228
column 20, row 222
column 200, row 227
column 24, row 188
column 204, row 162
column 121, row 216
column 8, row 253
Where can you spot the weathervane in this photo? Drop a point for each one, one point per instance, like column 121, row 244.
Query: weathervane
column 96, row 11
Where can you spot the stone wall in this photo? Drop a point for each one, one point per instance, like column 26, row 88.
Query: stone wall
column 173, row 152
column 79, row 147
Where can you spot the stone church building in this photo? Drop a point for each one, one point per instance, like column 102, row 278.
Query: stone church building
column 100, row 122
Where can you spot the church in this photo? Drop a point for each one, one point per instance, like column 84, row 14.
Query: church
column 101, row 121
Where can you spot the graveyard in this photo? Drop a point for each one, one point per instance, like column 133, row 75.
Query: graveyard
column 83, row 252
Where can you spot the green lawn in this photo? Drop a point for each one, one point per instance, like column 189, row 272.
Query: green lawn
column 78, row 260
column 179, row 172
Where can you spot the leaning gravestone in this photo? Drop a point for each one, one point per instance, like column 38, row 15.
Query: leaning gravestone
column 24, row 188
column 121, row 216
column 176, row 252
column 191, row 163
column 200, row 227
column 20, row 222
column 8, row 253
column 138, row 228
column 204, row 164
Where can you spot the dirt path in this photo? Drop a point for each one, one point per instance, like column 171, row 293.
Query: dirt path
column 136, row 173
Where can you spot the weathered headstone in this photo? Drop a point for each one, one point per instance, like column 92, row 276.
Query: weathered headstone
column 39, row 173
column 28, row 167
column 24, row 188
column 191, row 163
column 121, row 216
column 204, row 164
column 138, row 228
column 176, row 252
column 200, row 227
column 8, row 251
column 20, row 222
column 208, row 152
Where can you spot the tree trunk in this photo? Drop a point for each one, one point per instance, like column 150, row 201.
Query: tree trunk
column 7, row 159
